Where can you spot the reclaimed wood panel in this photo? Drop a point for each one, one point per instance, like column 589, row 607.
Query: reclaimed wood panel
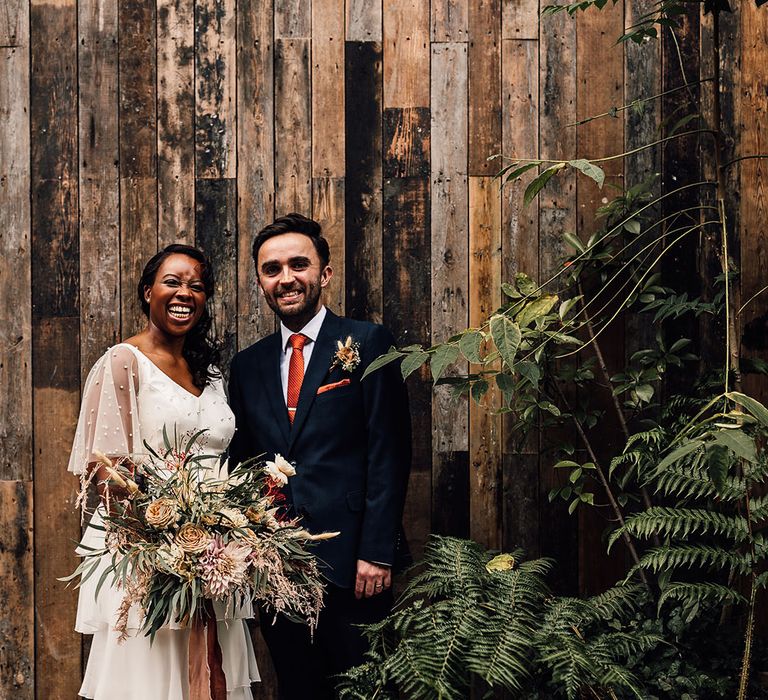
column 17, row 622
column 215, row 65
column 255, row 158
column 15, row 262
column 293, row 124
column 363, row 21
column 406, row 53
column 485, row 439
column 293, row 19
column 176, row 122
column 363, row 188
column 450, row 283
column 484, row 86
column 328, row 196
column 99, row 180
column 520, row 253
column 14, row 24
column 520, row 19
column 450, row 21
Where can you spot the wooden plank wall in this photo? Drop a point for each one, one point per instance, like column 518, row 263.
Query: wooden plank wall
column 125, row 126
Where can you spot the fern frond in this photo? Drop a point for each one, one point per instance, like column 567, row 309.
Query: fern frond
column 690, row 594
column 694, row 555
column 619, row 601
column 695, row 483
column 758, row 509
column 683, row 522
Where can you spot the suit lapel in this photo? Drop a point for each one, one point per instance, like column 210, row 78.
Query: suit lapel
column 319, row 366
column 270, row 372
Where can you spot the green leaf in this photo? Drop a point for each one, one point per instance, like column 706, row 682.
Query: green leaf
column 525, row 284
column 538, row 184
column 633, row 226
column 506, row 384
column 644, row 392
column 470, row 345
column 444, row 355
column 679, row 453
column 574, row 242
column 506, row 335
column 382, row 360
column 479, row 389
column 518, row 171
column 567, row 463
column 738, row 442
column 717, row 465
column 540, row 307
column 412, row 362
column 510, row 290
column 530, row 371
column 575, row 475
column 574, row 504
column 752, row 405
column 590, row 170
column 549, row 408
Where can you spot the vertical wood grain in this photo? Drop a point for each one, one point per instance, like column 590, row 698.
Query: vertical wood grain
column 99, row 180
column 176, row 122
column 14, row 24
column 484, row 86
column 520, row 19
column 138, row 153
column 293, row 19
column 363, row 190
column 328, row 130
column 406, row 53
column 520, row 253
column 255, row 158
column 485, row 440
column 363, row 20
column 450, row 283
column 215, row 57
column 17, row 631
column 15, row 270
column 293, row 144
column 450, row 21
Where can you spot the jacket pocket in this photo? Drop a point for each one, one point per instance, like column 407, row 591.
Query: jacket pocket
column 355, row 501
column 335, row 385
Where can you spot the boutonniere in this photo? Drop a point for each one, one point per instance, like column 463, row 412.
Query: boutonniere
column 347, row 355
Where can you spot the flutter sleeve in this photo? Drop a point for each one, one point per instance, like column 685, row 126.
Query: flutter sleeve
column 109, row 419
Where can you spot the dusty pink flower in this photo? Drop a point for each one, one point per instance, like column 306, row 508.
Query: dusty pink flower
column 224, row 568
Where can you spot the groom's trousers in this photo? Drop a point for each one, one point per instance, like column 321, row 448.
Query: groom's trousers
column 305, row 666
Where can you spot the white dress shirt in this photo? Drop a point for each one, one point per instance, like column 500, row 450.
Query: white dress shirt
column 311, row 330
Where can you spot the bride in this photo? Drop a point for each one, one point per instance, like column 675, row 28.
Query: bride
column 163, row 376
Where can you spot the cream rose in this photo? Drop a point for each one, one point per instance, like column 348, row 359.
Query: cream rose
column 280, row 469
column 162, row 513
column 192, row 538
column 233, row 517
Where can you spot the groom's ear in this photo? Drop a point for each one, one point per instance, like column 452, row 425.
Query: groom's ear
column 325, row 276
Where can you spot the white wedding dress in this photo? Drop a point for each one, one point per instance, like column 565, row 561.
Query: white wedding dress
column 127, row 400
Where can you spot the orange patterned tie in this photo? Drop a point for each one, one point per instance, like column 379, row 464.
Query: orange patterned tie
column 295, row 372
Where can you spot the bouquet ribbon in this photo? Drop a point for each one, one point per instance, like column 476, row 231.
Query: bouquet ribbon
column 206, row 674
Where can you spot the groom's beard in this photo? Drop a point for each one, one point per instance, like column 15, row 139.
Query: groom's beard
column 305, row 309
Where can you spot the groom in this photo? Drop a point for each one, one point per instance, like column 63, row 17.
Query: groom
column 298, row 392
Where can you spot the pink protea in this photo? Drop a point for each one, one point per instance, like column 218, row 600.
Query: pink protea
column 223, row 567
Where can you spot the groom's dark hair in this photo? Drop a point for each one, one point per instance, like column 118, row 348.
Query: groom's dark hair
column 293, row 223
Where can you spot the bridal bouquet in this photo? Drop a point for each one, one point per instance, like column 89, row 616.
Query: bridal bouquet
column 177, row 536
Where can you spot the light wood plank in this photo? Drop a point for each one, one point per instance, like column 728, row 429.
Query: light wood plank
column 485, row 444
column 293, row 19
column 99, row 180
column 520, row 19
column 328, row 88
column 17, row 622
column 15, row 261
column 450, row 20
column 363, row 20
column 215, row 59
column 293, row 138
column 176, row 122
column 406, row 53
column 255, row 158
column 449, row 239
column 328, row 210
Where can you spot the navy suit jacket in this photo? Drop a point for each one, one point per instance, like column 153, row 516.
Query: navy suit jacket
column 351, row 444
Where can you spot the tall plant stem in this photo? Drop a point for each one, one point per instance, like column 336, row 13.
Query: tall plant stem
column 607, row 379
column 606, row 486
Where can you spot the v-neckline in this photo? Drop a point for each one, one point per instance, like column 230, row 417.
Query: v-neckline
column 165, row 374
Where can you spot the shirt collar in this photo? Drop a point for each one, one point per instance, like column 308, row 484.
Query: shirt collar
column 311, row 330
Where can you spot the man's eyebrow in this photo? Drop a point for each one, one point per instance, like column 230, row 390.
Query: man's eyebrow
column 291, row 261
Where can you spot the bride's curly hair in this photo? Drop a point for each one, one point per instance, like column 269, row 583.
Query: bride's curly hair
column 201, row 350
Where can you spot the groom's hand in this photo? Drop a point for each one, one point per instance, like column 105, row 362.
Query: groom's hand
column 371, row 579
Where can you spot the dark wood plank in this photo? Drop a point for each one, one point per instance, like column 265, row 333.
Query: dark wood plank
column 56, row 377
column 363, row 21
column 406, row 53
column 520, row 253
column 485, row 439
column 293, row 19
column 255, row 158
column 328, row 210
column 449, row 236
column 99, row 180
column 450, row 20
column 176, row 122
column 17, row 622
column 484, row 85
column 293, row 136
column 557, row 213
column 15, row 302
column 363, row 187
column 216, row 234
column 215, row 59
column 406, row 142
column 406, row 276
